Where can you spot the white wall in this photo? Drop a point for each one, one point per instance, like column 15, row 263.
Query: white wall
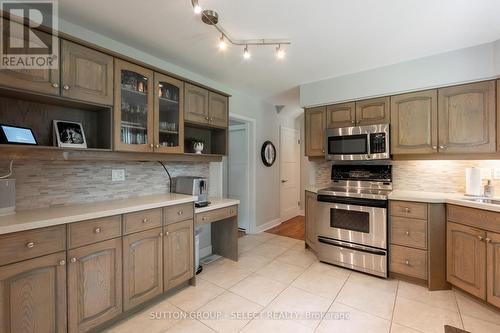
column 465, row 65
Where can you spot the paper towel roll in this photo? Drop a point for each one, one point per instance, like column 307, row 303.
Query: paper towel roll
column 473, row 181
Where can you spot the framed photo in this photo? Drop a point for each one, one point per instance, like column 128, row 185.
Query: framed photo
column 69, row 134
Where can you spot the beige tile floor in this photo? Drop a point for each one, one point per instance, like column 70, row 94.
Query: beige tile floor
column 277, row 277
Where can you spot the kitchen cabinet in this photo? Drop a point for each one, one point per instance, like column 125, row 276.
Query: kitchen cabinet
column 373, row 111
column 493, row 263
column 466, row 258
column 134, row 119
column 467, row 118
column 341, row 115
column 33, row 295
column 94, row 285
column 44, row 81
column 87, row 74
column 315, row 125
column 196, row 107
column 142, row 267
column 218, row 109
column 310, row 211
column 178, row 253
column 414, row 123
column 168, row 114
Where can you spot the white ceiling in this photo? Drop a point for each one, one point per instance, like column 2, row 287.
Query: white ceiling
column 329, row 37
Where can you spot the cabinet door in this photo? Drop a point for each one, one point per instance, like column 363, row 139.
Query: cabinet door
column 341, row 115
column 133, row 121
column 493, row 262
column 178, row 253
column 87, row 74
column 467, row 118
column 217, row 106
column 373, row 111
column 45, row 81
column 466, row 259
column 168, row 114
column 414, row 123
column 142, row 267
column 94, row 285
column 196, row 104
column 315, row 125
column 310, row 210
column 33, row 295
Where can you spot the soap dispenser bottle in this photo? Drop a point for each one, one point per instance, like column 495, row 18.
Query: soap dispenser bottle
column 489, row 191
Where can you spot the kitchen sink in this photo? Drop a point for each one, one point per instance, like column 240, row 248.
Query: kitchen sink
column 484, row 200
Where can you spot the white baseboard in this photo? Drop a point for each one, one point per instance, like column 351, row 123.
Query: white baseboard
column 302, row 212
column 267, row 225
column 206, row 251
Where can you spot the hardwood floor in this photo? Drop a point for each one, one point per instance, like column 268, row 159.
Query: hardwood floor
column 294, row 228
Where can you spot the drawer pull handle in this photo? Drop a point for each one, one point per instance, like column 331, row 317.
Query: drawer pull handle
column 62, row 262
column 73, row 260
column 30, row 245
column 97, row 230
column 480, row 238
column 145, row 220
column 407, row 233
column 407, row 210
column 180, row 212
column 487, row 240
column 407, row 262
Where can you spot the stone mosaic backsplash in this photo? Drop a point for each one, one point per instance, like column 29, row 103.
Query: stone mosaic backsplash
column 41, row 184
column 432, row 176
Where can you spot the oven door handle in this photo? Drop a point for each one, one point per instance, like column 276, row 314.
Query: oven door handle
column 351, row 246
column 353, row 201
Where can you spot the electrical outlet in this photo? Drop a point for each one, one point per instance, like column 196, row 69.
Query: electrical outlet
column 118, row 175
column 496, row 173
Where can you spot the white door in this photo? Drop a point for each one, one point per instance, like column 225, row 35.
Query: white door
column 237, row 172
column 289, row 173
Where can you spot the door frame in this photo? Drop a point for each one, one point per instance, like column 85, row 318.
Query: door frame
column 298, row 175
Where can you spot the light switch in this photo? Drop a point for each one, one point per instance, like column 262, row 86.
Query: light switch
column 118, row 175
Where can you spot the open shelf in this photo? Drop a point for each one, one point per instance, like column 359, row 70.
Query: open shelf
column 215, row 139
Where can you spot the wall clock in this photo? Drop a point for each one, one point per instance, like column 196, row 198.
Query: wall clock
column 268, row 153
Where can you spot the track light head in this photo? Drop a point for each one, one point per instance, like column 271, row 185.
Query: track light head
column 222, row 43
column 246, row 53
column 280, row 53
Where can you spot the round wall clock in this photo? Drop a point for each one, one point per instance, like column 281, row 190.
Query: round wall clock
column 268, row 153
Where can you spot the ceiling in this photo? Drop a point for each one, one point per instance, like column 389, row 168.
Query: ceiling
column 329, row 37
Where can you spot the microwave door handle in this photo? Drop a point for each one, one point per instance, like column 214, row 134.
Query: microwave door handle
column 369, row 149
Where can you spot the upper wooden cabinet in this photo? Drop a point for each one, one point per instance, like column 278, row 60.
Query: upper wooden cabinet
column 134, row 119
column 315, row 125
column 466, row 258
column 196, row 106
column 373, row 111
column 33, row 295
column 341, row 115
column 414, row 120
column 218, row 109
column 493, row 264
column 45, row 81
column 178, row 253
column 94, row 285
column 87, row 74
column 467, row 118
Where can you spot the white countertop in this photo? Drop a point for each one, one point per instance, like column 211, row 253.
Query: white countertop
column 39, row 218
column 314, row 188
column 216, row 203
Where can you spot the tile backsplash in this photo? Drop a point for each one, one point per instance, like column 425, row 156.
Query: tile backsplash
column 41, row 184
column 432, row 176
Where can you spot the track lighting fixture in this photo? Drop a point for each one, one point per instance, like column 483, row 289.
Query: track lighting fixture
column 222, row 43
column 246, row 53
column 280, row 53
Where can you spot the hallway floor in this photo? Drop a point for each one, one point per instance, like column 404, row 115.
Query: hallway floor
column 294, row 228
column 278, row 279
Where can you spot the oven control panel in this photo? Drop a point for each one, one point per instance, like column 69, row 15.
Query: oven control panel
column 377, row 143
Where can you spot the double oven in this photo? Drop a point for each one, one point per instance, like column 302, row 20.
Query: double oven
column 352, row 223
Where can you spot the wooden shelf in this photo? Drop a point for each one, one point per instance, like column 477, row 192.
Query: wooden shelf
column 167, row 100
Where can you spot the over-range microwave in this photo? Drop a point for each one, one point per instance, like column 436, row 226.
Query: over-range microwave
column 358, row 143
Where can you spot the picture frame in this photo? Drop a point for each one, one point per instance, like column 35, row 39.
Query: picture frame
column 268, row 153
column 69, row 134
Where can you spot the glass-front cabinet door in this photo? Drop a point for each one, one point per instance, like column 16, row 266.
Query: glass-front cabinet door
column 134, row 117
column 168, row 115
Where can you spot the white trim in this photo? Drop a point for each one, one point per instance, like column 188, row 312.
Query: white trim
column 206, row 251
column 267, row 226
column 302, row 212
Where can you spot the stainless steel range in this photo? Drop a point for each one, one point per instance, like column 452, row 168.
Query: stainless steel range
column 352, row 218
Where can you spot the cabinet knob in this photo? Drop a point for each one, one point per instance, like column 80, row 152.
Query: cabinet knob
column 407, row 233
column 97, row 230
column 353, row 122
column 62, row 262
column 73, row 260
column 407, row 262
column 480, row 238
column 487, row 240
column 145, row 220
column 30, row 245
column 323, row 150
column 434, row 147
column 66, row 87
column 161, row 234
column 151, row 145
column 180, row 212
column 204, row 218
column 55, row 85
column 206, row 118
column 443, row 147
column 407, row 210
column 157, row 146
column 167, row 233
column 211, row 118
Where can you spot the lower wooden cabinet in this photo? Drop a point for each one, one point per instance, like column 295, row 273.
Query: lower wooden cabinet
column 94, row 285
column 310, row 211
column 493, row 263
column 178, row 253
column 33, row 295
column 142, row 267
column 466, row 258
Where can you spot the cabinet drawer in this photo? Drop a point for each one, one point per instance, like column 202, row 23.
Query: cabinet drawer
column 216, row 215
column 409, row 232
column 408, row 261
column 32, row 243
column 178, row 213
column 476, row 218
column 143, row 220
column 93, row 231
column 414, row 210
